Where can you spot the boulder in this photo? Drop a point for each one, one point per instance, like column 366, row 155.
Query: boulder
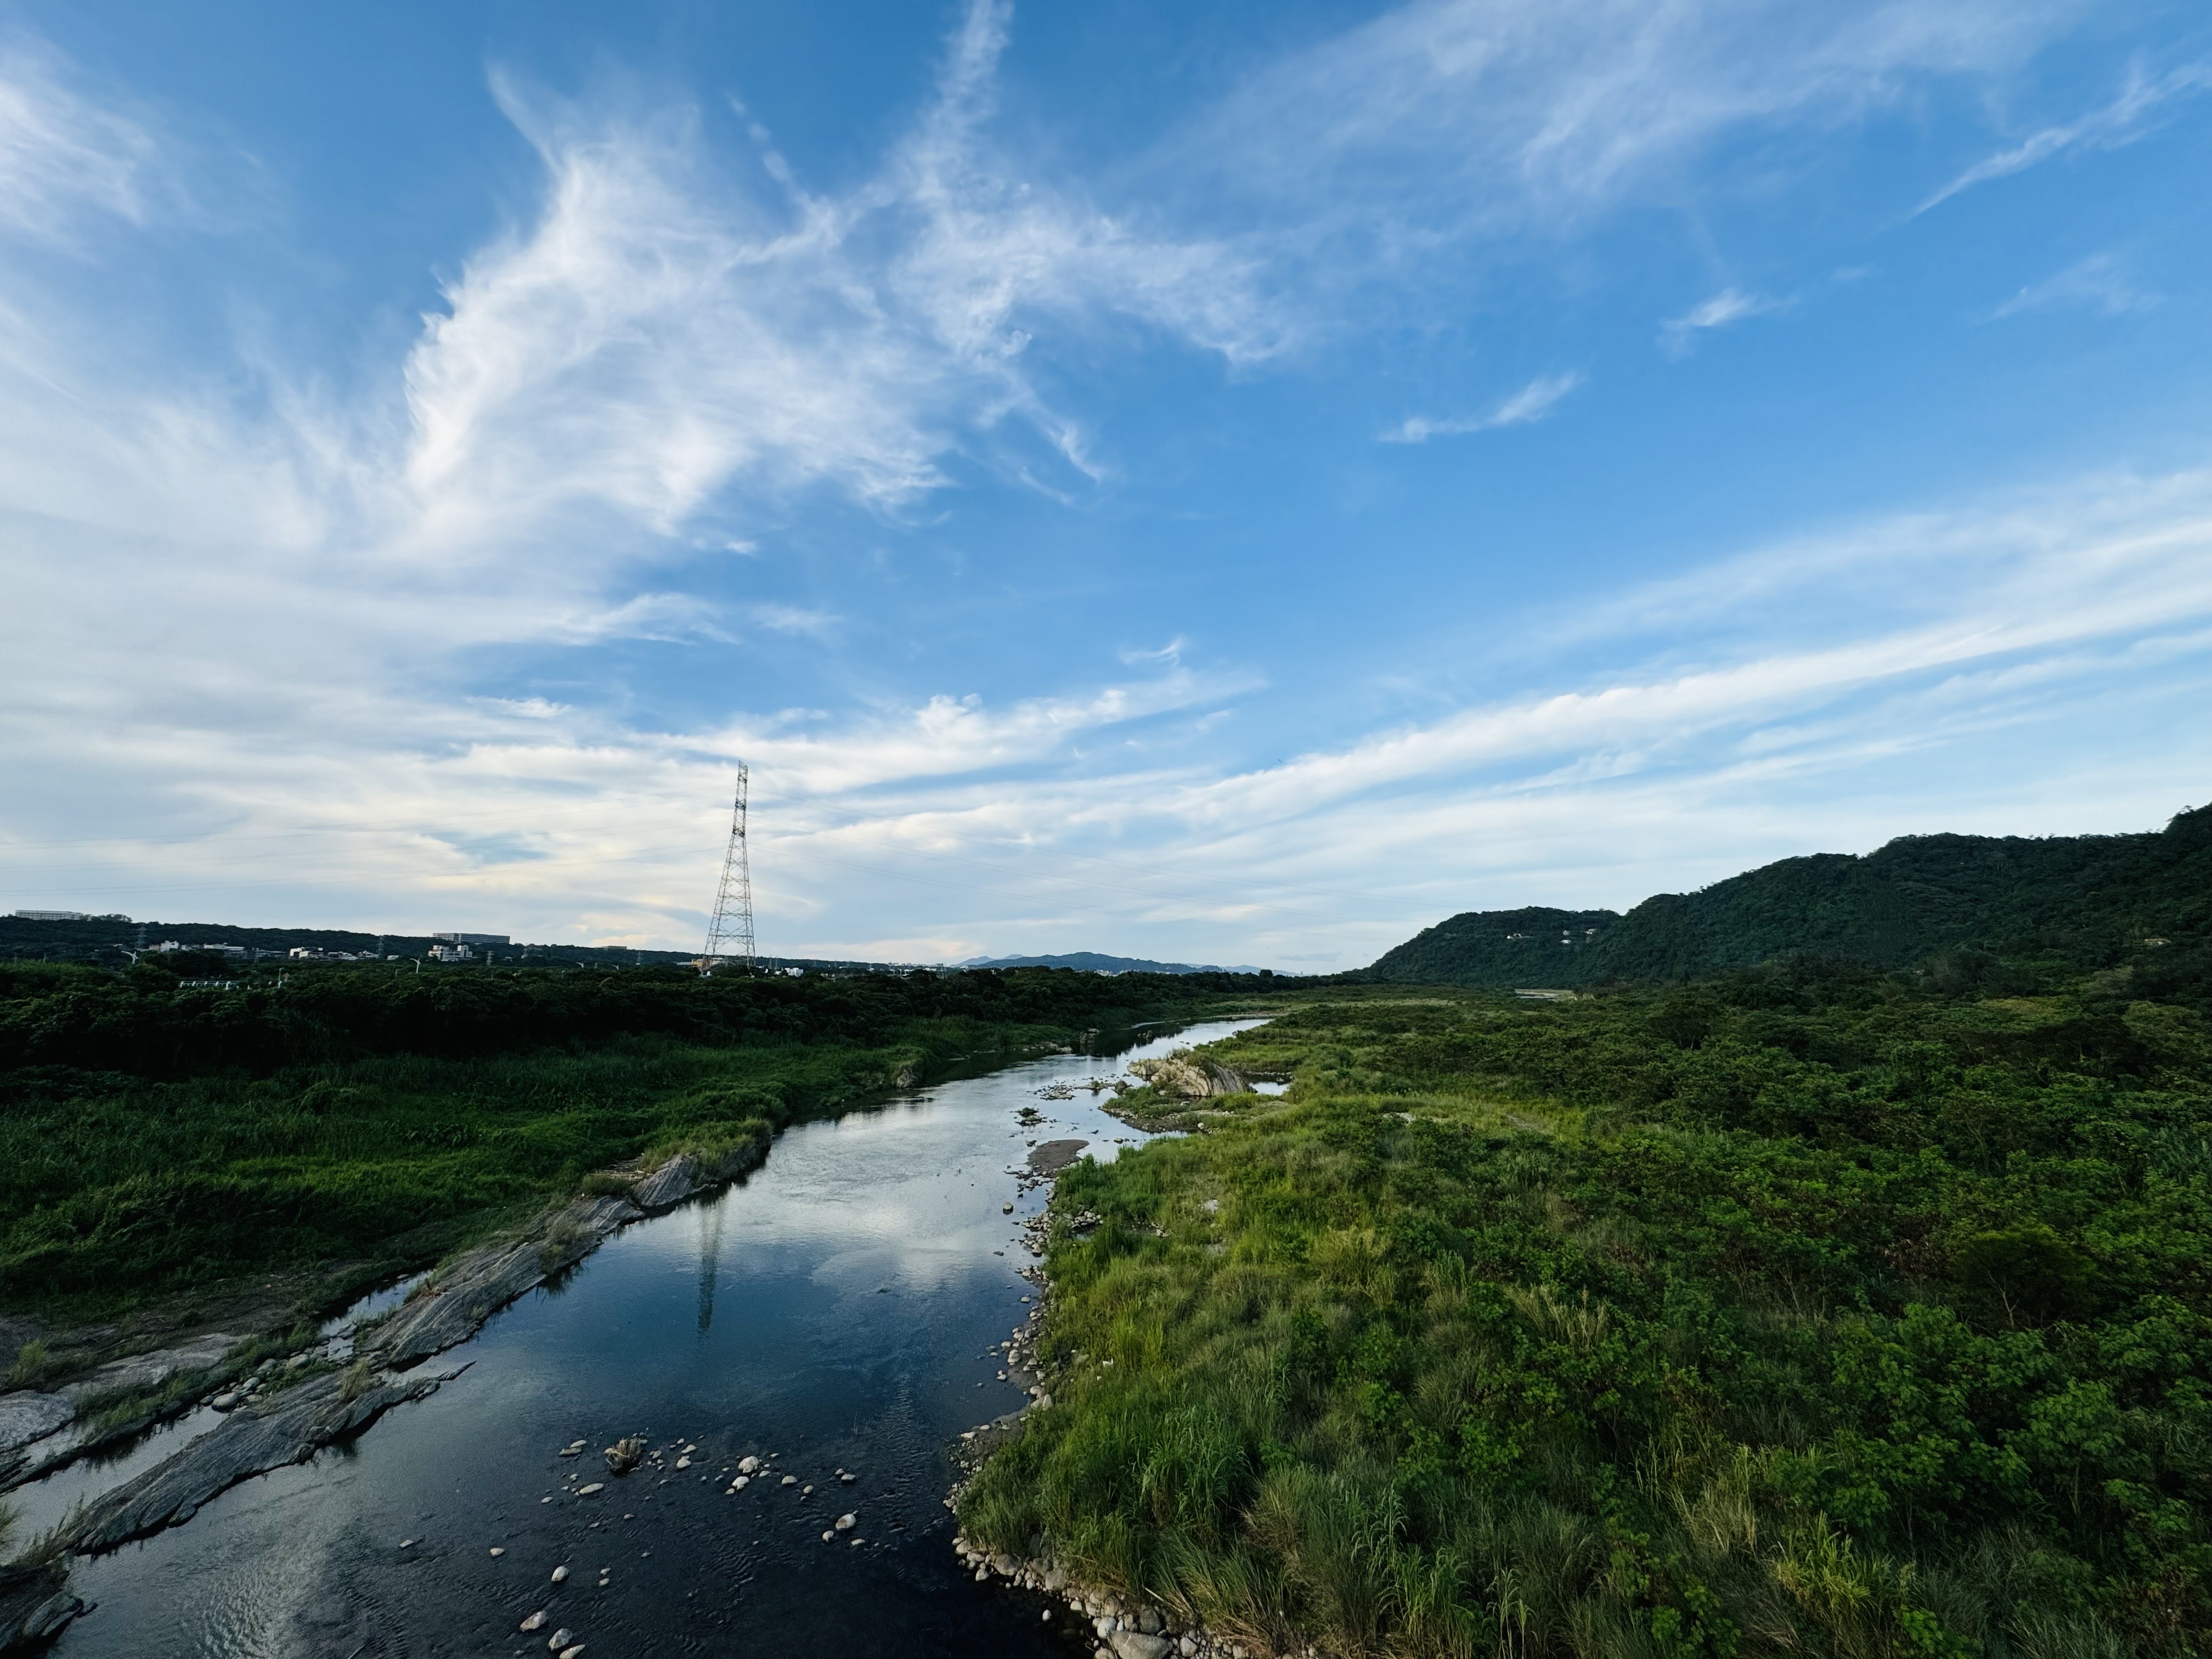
column 35, row 1603
column 1136, row 1644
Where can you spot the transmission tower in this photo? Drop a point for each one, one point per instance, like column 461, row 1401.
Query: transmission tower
column 730, row 935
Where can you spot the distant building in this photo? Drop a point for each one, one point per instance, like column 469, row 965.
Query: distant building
column 55, row 916
column 473, row 939
column 457, row 952
column 238, row 951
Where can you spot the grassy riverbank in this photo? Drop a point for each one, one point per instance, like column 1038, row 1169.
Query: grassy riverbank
column 1808, row 1311
column 154, row 1136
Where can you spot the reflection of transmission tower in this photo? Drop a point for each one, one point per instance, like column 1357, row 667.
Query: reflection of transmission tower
column 730, row 935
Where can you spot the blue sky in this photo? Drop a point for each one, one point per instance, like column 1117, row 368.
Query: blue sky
column 1231, row 484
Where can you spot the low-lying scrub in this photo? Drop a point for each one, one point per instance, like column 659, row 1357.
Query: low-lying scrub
column 1801, row 1313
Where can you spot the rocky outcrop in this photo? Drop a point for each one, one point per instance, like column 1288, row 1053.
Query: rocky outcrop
column 26, row 1416
column 1191, row 1076
column 141, row 1372
column 667, row 1186
column 34, row 1604
column 454, row 1303
column 265, row 1435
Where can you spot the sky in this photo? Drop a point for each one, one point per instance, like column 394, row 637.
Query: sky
column 1235, row 482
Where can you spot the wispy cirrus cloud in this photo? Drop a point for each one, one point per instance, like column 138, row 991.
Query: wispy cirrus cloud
column 1722, row 310
column 64, row 156
column 2127, row 118
column 1538, row 114
column 1532, row 403
column 2101, row 283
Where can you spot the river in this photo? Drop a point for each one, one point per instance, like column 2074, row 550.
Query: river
column 839, row 1311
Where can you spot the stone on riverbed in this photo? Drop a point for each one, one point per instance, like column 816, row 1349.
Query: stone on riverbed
column 535, row 1620
column 589, row 1487
column 1135, row 1644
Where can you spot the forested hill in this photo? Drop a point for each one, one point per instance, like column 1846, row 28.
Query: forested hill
column 2070, row 903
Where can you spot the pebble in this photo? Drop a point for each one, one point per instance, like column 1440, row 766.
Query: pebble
column 847, row 1478
column 559, row 1573
column 790, row 1479
column 827, row 1536
column 682, row 1462
column 534, row 1620
column 586, row 1490
column 807, row 1491
column 571, row 1653
column 496, row 1549
column 406, row 1543
column 741, row 1483
column 562, row 1638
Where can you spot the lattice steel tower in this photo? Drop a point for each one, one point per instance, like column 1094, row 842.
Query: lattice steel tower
column 730, row 935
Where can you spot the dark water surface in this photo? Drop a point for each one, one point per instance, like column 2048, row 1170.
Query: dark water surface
column 839, row 1310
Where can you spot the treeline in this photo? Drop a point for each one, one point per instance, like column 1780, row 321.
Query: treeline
column 356, row 1121
column 2051, row 907
column 146, row 1023
column 1801, row 1310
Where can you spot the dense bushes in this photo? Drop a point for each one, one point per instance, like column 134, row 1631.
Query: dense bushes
column 1801, row 1313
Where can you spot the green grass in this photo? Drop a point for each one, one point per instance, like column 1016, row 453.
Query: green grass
column 1783, row 1316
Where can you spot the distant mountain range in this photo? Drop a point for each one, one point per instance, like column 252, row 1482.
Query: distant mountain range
column 2083, row 902
column 1091, row 962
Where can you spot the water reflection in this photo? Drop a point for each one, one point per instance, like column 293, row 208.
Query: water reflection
column 839, row 1310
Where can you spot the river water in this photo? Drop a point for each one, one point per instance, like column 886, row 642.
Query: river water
column 839, row 1311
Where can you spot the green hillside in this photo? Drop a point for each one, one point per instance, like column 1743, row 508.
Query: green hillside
column 2070, row 903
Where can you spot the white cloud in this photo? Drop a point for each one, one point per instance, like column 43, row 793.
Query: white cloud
column 1536, row 114
column 2122, row 121
column 1533, row 402
column 1730, row 304
column 2099, row 283
column 62, row 155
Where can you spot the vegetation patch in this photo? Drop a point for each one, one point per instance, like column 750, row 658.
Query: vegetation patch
column 1807, row 1310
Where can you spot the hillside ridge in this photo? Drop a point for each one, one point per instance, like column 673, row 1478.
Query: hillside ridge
column 2082, row 901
